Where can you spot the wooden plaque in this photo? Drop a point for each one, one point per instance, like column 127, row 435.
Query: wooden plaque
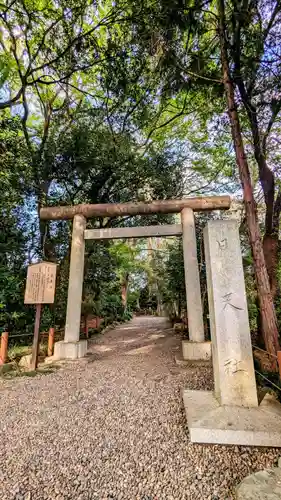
column 40, row 283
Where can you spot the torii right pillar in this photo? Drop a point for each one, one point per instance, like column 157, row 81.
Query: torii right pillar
column 196, row 348
column 231, row 414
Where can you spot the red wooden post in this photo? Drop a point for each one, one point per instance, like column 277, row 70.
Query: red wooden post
column 4, row 348
column 35, row 347
column 279, row 362
column 51, row 340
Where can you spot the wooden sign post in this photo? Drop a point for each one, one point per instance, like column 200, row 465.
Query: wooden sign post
column 40, row 289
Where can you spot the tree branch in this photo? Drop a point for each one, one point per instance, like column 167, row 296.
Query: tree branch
column 276, row 9
column 13, row 101
column 276, row 213
column 71, row 44
column 270, row 124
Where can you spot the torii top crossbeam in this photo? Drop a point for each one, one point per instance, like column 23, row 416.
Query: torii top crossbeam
column 197, row 204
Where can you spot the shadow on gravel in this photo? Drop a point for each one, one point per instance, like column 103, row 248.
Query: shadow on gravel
column 31, row 373
column 129, row 341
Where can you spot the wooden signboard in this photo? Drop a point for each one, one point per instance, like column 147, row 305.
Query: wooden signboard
column 40, row 289
column 40, row 283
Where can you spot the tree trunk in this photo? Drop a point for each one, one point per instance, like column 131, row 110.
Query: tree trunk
column 268, row 315
column 159, row 302
column 266, row 176
column 124, row 291
column 270, row 250
column 46, row 247
column 86, row 325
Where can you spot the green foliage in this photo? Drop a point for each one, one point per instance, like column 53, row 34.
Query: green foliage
column 13, row 237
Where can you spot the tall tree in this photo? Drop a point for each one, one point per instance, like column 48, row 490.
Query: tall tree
column 269, row 319
column 252, row 31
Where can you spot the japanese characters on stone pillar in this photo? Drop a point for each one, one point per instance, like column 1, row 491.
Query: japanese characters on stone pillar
column 231, row 342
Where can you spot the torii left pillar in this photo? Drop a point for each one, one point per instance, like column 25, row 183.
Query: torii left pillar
column 72, row 347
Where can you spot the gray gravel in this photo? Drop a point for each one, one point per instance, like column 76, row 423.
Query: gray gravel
column 112, row 426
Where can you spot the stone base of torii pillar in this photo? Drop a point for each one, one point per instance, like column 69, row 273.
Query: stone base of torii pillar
column 232, row 414
column 70, row 350
column 196, row 351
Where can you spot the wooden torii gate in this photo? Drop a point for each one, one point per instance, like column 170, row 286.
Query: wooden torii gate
column 72, row 347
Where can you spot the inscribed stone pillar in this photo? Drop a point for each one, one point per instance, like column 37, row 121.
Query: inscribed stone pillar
column 76, row 275
column 192, row 280
column 231, row 342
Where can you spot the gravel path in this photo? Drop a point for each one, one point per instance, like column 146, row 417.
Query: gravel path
column 112, row 426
